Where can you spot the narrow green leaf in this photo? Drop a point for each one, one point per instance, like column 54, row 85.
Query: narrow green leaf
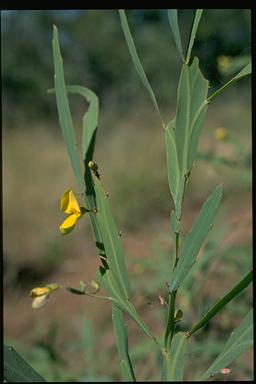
column 239, row 341
column 16, row 370
column 190, row 114
column 173, row 21
column 64, row 113
column 197, row 125
column 90, row 118
column 111, row 240
column 180, row 196
column 172, row 160
column 108, row 282
column 120, row 329
column 90, row 124
column 195, row 238
column 222, row 302
column 196, row 21
column 175, row 359
column 247, row 70
column 136, row 60
column 182, row 131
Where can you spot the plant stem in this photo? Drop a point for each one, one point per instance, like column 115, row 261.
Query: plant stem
column 176, row 249
column 170, row 326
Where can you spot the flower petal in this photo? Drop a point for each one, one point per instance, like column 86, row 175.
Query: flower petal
column 69, row 203
column 40, row 301
column 40, row 291
column 68, row 224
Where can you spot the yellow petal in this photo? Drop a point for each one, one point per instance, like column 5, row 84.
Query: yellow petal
column 40, row 302
column 68, row 224
column 69, row 203
column 40, row 291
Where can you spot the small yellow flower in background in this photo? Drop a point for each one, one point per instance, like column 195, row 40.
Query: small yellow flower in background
column 220, row 133
column 70, row 206
column 223, row 63
column 41, row 295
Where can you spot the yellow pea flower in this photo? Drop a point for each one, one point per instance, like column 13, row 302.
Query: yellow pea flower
column 41, row 295
column 70, row 206
column 220, row 133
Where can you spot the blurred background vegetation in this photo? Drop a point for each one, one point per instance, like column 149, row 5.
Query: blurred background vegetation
column 131, row 155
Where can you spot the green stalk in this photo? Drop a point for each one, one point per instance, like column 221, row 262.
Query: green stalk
column 170, row 325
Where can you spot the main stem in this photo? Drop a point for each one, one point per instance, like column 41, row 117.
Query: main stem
column 170, row 326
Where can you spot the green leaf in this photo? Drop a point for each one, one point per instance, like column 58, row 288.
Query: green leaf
column 90, row 118
column 173, row 21
column 136, row 60
column 120, row 329
column 172, row 160
column 222, row 302
column 90, row 123
column 182, row 120
column 111, row 240
column 64, row 113
column 195, row 238
column 175, row 359
column 191, row 110
column 239, row 341
column 197, row 18
column 107, row 280
column 16, row 370
column 247, row 70
column 197, row 125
